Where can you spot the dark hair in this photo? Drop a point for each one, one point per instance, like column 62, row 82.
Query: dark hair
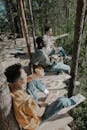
column 47, row 27
column 12, row 73
column 40, row 42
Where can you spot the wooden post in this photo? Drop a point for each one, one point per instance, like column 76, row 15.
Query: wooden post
column 20, row 20
column 79, row 22
column 11, row 19
column 24, row 25
column 32, row 23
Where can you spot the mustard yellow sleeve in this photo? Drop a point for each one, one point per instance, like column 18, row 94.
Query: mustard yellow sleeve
column 26, row 115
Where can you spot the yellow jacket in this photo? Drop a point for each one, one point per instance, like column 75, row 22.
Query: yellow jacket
column 25, row 110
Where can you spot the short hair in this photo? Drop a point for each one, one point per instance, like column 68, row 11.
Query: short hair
column 40, row 42
column 13, row 73
column 47, row 27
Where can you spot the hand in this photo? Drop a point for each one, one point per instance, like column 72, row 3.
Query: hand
column 44, row 104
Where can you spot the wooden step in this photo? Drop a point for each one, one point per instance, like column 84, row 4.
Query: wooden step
column 56, row 123
column 55, row 78
column 79, row 99
column 56, row 86
column 52, row 96
column 10, row 61
column 55, row 95
column 64, row 128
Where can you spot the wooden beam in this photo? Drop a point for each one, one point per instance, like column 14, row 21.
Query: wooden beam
column 24, row 25
column 79, row 24
column 32, row 23
column 11, row 19
column 48, row 79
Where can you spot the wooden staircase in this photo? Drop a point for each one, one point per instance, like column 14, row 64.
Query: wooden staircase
column 57, row 87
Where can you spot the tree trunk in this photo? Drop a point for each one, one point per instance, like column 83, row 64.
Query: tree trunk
column 32, row 23
column 10, row 18
column 79, row 22
column 21, row 23
column 85, row 51
column 24, row 25
column 7, row 119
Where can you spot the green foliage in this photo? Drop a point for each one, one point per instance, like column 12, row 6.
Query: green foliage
column 80, row 114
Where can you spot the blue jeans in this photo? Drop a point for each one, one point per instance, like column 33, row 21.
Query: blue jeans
column 58, row 67
column 56, row 106
column 61, row 52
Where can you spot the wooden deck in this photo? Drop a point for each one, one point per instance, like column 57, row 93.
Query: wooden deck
column 55, row 84
column 56, row 123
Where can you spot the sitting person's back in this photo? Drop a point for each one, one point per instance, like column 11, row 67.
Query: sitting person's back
column 40, row 57
column 49, row 41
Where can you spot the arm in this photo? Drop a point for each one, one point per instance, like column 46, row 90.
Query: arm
column 46, row 92
column 36, row 111
column 26, row 115
column 54, row 38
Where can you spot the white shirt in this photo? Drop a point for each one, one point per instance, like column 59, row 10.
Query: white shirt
column 48, row 41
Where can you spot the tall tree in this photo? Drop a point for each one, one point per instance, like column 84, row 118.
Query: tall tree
column 32, row 22
column 24, row 25
column 79, row 22
column 10, row 17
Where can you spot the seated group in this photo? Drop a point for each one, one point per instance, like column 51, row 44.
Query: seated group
column 27, row 109
column 45, row 51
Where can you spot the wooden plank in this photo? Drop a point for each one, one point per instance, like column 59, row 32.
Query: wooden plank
column 10, row 61
column 55, row 123
column 64, row 128
column 56, row 86
column 53, row 95
column 55, row 78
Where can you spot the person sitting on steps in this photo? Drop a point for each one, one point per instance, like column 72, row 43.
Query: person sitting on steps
column 41, row 58
column 27, row 112
column 49, row 41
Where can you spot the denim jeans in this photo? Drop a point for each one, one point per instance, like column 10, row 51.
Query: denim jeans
column 61, row 52
column 56, row 106
column 58, row 67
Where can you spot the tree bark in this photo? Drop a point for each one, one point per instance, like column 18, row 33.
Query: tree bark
column 10, row 18
column 24, row 25
column 32, row 23
column 79, row 22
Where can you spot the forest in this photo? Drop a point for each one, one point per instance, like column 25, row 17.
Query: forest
column 65, row 17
